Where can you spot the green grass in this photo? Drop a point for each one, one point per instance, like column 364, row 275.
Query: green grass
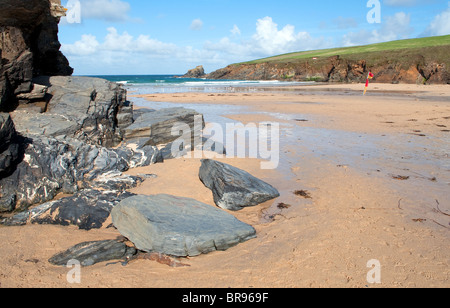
column 412, row 44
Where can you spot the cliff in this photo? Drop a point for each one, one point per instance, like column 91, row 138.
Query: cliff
column 395, row 62
column 29, row 46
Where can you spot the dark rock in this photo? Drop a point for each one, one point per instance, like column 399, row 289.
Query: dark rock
column 80, row 107
column 54, row 165
column 9, row 145
column 37, row 92
column 234, row 189
column 157, row 126
column 88, row 209
column 29, row 45
column 90, row 253
column 197, row 72
column 178, row 226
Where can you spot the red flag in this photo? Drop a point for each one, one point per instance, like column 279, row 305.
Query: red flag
column 370, row 76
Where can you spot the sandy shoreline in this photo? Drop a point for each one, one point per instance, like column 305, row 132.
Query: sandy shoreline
column 358, row 211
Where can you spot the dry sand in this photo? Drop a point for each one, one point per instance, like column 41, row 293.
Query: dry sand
column 357, row 211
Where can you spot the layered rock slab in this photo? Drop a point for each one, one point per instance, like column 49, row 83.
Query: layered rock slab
column 177, row 226
column 90, row 253
column 234, row 189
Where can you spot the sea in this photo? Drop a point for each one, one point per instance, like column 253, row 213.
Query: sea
column 150, row 84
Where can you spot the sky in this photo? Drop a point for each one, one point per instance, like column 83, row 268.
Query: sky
column 137, row 37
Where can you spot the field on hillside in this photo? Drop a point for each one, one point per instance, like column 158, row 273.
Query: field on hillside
column 422, row 46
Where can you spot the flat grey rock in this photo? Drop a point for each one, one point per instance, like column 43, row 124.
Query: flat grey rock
column 90, row 253
column 178, row 226
column 234, row 189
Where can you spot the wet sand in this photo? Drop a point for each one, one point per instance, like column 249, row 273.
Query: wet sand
column 377, row 171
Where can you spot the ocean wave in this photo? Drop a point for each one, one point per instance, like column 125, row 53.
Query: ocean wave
column 228, row 82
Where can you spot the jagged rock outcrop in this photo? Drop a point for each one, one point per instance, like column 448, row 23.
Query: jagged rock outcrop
column 29, row 47
column 10, row 147
column 78, row 107
column 197, row 72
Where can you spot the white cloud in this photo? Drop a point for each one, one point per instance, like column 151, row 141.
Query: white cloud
column 440, row 24
column 269, row 40
column 123, row 53
column 138, row 54
column 393, row 28
column 396, row 27
column 401, row 2
column 345, row 23
column 196, row 25
column 109, row 10
column 106, row 10
column 116, row 42
column 88, row 45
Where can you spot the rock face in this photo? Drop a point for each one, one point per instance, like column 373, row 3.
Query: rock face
column 178, row 226
column 234, row 189
column 76, row 107
column 29, row 47
column 90, row 253
column 197, row 72
column 67, row 147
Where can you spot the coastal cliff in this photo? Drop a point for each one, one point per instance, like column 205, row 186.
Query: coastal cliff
column 29, row 47
column 402, row 64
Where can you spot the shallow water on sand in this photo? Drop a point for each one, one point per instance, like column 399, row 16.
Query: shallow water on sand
column 364, row 151
column 421, row 160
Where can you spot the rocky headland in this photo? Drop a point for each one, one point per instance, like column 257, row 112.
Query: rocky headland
column 404, row 64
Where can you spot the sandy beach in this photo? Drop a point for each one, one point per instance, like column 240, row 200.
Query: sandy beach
column 377, row 171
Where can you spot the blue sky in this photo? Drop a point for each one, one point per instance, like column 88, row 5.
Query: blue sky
column 169, row 37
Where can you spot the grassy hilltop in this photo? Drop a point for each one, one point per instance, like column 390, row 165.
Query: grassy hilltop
column 421, row 44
